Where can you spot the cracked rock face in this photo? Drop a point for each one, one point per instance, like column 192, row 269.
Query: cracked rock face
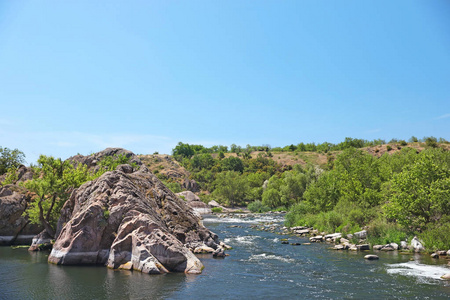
column 130, row 221
column 12, row 205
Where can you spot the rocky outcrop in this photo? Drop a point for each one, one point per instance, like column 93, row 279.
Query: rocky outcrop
column 130, row 221
column 92, row 161
column 191, row 185
column 194, row 202
column 14, row 228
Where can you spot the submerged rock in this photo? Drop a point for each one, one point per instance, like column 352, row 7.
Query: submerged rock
column 123, row 219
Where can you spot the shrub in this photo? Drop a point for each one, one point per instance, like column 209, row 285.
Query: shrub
column 437, row 238
column 388, row 148
column 297, row 214
column 258, row 207
column 216, row 209
column 174, row 186
column 382, row 232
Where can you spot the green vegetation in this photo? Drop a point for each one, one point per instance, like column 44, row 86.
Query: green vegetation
column 258, row 207
column 398, row 195
column 53, row 182
column 10, row 159
column 110, row 163
column 216, row 209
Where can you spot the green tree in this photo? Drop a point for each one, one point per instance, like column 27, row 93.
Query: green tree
column 232, row 164
column 421, row 193
column 231, row 188
column 53, row 182
column 10, row 158
column 183, row 150
column 413, row 139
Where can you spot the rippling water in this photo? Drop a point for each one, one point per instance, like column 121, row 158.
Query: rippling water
column 259, row 267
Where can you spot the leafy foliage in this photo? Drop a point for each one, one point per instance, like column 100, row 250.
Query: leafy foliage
column 53, row 182
column 421, row 193
column 231, row 188
column 110, row 163
column 10, row 158
column 258, row 207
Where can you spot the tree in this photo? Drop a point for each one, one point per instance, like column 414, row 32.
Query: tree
column 232, row 164
column 420, row 194
column 413, row 139
column 10, row 158
column 183, row 150
column 53, row 182
column 431, row 141
column 231, row 188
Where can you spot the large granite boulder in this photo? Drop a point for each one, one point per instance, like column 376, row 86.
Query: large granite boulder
column 130, row 221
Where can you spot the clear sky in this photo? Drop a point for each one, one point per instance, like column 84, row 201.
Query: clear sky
column 80, row 76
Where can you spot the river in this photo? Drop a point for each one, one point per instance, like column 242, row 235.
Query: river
column 259, row 267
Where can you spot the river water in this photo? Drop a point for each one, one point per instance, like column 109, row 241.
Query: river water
column 259, row 267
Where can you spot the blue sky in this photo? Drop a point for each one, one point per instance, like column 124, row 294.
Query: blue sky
column 80, row 76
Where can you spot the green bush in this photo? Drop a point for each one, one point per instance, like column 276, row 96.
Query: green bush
column 216, row 209
column 382, row 232
column 297, row 213
column 175, row 187
column 437, row 238
column 258, row 207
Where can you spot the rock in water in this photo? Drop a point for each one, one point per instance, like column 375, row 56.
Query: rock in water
column 446, row 276
column 124, row 220
column 371, row 257
column 417, row 245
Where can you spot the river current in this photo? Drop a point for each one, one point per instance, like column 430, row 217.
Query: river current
column 259, row 267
